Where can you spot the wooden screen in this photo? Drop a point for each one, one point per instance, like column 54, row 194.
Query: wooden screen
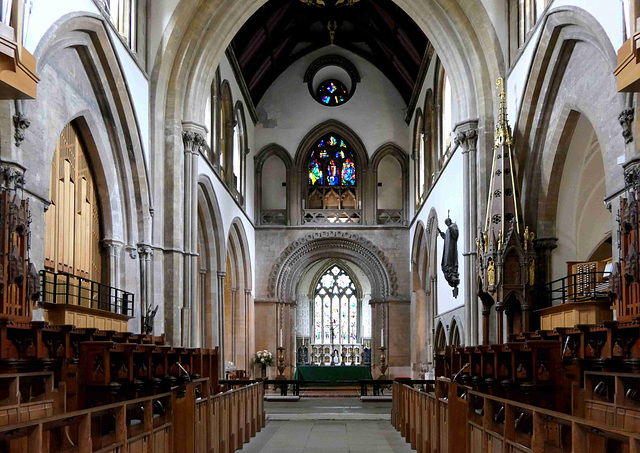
column 72, row 235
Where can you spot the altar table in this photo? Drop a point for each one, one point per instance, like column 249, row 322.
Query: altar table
column 332, row 373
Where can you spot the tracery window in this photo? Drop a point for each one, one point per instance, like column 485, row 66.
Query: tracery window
column 332, row 93
column 332, row 180
column 335, row 318
column 124, row 15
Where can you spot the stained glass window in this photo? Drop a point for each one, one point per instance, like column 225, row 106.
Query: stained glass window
column 332, row 163
column 336, row 308
column 332, row 93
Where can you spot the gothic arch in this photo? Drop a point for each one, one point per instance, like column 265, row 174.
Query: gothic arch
column 300, row 173
column 227, row 125
column 440, row 338
column 393, row 150
column 456, row 332
column 568, row 34
column 419, row 257
column 271, row 150
column 115, row 148
column 294, row 260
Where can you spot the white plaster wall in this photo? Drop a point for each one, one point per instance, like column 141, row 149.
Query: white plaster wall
column 288, row 112
column 159, row 13
column 497, row 12
column 607, row 12
column 447, row 195
column 45, row 13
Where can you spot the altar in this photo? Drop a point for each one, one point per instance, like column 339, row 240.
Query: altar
column 332, row 373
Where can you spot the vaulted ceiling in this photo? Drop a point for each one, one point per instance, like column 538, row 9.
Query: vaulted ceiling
column 282, row 31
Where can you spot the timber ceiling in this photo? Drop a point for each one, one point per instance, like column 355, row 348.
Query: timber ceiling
column 282, row 31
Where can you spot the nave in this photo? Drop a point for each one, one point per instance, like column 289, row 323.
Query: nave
column 320, row 425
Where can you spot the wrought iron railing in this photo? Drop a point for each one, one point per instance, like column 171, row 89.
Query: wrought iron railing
column 61, row 288
column 581, row 287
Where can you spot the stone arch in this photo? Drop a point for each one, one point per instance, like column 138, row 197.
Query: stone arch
column 241, row 124
column 211, row 260
column 238, row 305
column 419, row 257
column 570, row 37
column 456, row 332
column 417, row 156
column 299, row 175
column 197, row 34
column 293, row 261
column 393, row 150
column 272, row 150
column 440, row 338
column 79, row 43
column 227, row 125
column 429, row 123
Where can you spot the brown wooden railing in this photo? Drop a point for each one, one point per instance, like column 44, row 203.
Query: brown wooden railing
column 456, row 419
column 187, row 419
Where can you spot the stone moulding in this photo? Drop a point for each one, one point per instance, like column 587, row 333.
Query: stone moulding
column 293, row 261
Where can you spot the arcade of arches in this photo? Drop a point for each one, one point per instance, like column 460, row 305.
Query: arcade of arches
column 383, row 184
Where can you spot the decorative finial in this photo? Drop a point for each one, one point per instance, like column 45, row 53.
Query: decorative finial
column 503, row 130
column 332, row 26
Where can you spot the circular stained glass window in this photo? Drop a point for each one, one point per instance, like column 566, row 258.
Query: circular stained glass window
column 332, row 93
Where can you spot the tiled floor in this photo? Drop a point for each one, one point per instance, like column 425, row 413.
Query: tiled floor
column 327, row 426
column 327, row 436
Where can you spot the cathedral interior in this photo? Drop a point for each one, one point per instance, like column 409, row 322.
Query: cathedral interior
column 319, row 225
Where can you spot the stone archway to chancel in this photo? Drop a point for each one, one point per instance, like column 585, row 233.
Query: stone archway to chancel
column 305, row 313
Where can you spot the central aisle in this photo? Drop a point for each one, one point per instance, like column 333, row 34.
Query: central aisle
column 319, row 425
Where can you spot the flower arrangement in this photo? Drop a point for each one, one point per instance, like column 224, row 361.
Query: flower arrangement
column 263, row 358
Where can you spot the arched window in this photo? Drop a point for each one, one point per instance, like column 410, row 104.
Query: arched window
column 239, row 152
column 73, row 231
column 336, row 308
column 446, row 115
column 418, row 157
column 332, row 176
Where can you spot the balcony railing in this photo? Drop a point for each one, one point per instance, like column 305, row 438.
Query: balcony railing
column 331, row 216
column 273, row 217
column 581, row 287
column 390, row 217
column 60, row 288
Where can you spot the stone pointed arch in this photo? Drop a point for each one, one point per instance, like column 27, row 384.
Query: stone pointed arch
column 209, row 212
column 419, row 256
column 544, row 122
column 393, row 150
column 239, row 245
column 293, row 261
column 118, row 142
column 272, row 150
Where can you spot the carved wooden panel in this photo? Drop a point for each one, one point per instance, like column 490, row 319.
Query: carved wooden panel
column 72, row 231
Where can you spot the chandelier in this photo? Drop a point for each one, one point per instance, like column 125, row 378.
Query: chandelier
column 321, row 3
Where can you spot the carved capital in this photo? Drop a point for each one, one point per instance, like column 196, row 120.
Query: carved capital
column 132, row 251
column 468, row 139
column 11, row 176
column 626, row 121
column 632, row 175
column 20, row 123
column 194, row 142
column 113, row 246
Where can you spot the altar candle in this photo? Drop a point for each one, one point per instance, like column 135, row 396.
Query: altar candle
column 382, row 338
column 280, row 337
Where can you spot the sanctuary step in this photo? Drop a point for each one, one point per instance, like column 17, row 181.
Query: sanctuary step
column 328, row 409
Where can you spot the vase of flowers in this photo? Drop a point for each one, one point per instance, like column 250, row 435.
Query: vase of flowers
column 264, row 359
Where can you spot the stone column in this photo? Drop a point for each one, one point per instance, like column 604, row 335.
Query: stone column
column 247, row 330
column 466, row 136
column 221, row 276
column 144, row 253
column 114, row 247
column 202, row 298
column 233, row 324
column 193, row 137
column 544, row 248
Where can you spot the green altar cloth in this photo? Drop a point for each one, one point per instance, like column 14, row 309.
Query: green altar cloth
column 332, row 373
